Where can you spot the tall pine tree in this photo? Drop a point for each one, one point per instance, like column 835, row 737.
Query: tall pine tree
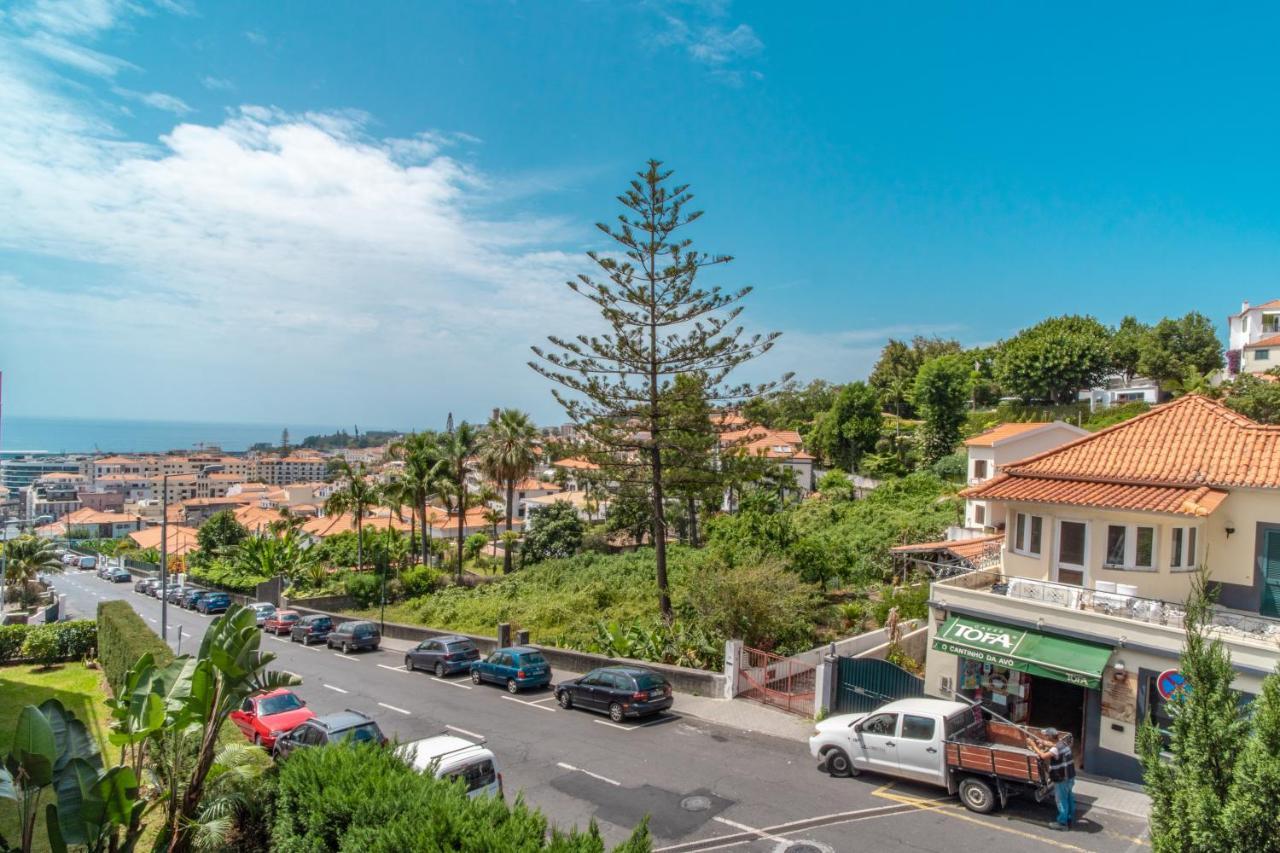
column 662, row 324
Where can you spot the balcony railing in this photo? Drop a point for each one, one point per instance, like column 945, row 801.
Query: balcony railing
column 1152, row 611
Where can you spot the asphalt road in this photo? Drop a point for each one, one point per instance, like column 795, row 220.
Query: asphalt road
column 703, row 786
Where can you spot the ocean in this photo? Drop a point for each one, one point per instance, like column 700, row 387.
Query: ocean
column 76, row 435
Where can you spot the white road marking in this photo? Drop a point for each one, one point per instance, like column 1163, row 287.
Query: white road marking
column 335, row 688
column 528, row 704
column 153, row 619
column 392, row 668
column 394, row 708
column 614, row 725
column 345, row 657
column 455, row 683
column 742, row 826
column 463, row 732
column 588, row 773
column 546, row 699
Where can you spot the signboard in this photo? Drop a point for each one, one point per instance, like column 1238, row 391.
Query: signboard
column 1050, row 656
column 1120, row 698
column 1170, row 683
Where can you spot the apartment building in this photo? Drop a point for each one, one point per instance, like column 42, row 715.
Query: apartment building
column 1081, row 625
column 1253, row 338
column 294, row 468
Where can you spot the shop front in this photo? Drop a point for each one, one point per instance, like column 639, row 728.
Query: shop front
column 1029, row 677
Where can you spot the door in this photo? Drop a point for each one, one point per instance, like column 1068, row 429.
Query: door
column 875, row 744
column 1073, row 552
column 919, row 749
column 1271, row 573
column 590, row 691
column 241, row 718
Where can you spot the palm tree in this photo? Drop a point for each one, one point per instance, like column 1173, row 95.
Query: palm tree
column 355, row 495
column 457, row 447
column 26, row 558
column 507, row 457
column 424, row 469
column 271, row 556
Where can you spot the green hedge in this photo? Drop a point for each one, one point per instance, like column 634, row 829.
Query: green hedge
column 123, row 638
column 364, row 798
column 70, row 640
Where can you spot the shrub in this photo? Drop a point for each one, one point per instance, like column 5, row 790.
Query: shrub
column 761, row 602
column 76, row 640
column 123, row 638
column 11, row 637
column 420, row 580
column 365, row 589
column 366, row 798
column 41, row 646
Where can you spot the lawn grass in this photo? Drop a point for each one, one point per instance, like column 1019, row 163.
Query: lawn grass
column 81, row 690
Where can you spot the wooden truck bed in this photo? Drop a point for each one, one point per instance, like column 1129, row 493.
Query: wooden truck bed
column 997, row 751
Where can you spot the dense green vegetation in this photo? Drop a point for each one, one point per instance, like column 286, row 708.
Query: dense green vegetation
column 59, row 641
column 123, row 638
column 366, row 799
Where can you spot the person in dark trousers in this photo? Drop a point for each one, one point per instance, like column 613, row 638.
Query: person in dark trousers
column 1054, row 749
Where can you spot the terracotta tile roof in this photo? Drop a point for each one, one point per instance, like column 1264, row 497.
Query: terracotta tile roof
column 962, row 549
column 254, row 517
column 1269, row 341
column 1272, row 305
column 529, row 484
column 770, row 443
column 576, row 462
column 87, row 515
column 1177, row 458
column 180, row 539
column 1001, row 432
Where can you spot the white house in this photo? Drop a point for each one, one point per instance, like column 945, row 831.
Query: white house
column 1253, row 338
column 991, row 450
column 1115, row 391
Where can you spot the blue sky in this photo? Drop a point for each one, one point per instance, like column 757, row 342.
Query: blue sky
column 366, row 211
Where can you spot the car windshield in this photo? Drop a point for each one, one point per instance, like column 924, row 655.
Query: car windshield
column 460, row 647
column 477, row 775
column 649, row 680
column 361, row 734
column 290, row 617
column 364, row 630
column 532, row 657
column 322, row 623
column 278, row 704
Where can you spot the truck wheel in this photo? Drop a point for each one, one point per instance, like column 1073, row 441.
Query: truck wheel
column 977, row 795
column 838, row 763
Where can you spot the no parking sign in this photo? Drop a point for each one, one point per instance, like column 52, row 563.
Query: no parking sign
column 1171, row 684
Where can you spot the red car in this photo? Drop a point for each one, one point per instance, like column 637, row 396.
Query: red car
column 267, row 716
column 282, row 622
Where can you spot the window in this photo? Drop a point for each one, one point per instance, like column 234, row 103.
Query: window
column 980, row 469
column 979, row 514
column 1130, row 546
column 880, row 724
column 1028, row 532
column 917, row 728
column 1262, row 355
column 1182, row 551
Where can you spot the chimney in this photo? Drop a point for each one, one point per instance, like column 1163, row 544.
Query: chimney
column 1244, row 306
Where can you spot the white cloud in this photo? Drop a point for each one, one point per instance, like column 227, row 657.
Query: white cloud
column 156, row 100
column 216, row 84
column 700, row 30
column 269, row 265
column 70, row 17
column 256, row 37
column 716, row 46
column 73, row 55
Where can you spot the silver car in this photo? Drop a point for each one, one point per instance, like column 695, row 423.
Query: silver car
column 263, row 610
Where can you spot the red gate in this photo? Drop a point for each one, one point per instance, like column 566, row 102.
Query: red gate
column 785, row 683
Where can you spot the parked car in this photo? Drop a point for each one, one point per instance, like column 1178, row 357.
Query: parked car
column 451, row 757
column 310, row 629
column 119, row 575
column 102, row 570
column 267, row 716
column 213, row 602
column 191, row 597
column 176, row 593
column 619, row 691
column 69, row 559
column 344, row 727
column 86, row 563
column 262, row 610
column 281, row 622
column 354, row 635
column 442, row 655
column 948, row 744
column 143, row 585
column 518, row 667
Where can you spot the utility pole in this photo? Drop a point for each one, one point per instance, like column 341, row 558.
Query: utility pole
column 164, row 558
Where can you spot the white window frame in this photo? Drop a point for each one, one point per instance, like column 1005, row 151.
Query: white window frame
column 1131, row 548
column 1057, row 550
column 979, row 515
column 1025, row 529
column 1190, row 545
column 1263, row 354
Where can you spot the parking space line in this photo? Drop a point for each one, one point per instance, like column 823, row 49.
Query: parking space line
column 393, row 668
column 393, row 708
column 455, row 683
column 345, row 657
column 614, row 725
column 335, row 688
column 153, row 619
column 587, row 772
column 955, row 811
column 545, row 699
column 463, row 732
column 744, row 828
column 528, row 704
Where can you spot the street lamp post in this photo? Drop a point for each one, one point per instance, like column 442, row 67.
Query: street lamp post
column 164, row 558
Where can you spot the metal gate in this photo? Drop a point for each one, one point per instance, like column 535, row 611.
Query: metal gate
column 785, row 683
column 864, row 684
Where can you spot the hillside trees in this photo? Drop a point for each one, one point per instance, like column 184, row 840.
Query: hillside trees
column 1055, row 358
column 662, row 323
column 850, row 428
column 940, row 394
column 894, row 374
column 1178, row 349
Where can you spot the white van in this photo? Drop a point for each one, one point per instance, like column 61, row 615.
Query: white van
column 451, row 757
column 87, row 562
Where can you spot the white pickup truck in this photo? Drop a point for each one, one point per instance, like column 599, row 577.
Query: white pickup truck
column 948, row 744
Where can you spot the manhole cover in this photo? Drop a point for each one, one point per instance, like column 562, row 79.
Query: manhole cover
column 695, row 804
column 803, row 847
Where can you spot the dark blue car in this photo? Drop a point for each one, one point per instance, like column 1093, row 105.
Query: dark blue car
column 191, row 597
column 213, row 602
column 518, row 667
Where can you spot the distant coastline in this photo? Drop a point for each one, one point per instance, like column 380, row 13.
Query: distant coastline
column 85, row 435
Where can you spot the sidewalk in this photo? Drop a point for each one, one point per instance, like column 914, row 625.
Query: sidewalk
column 1112, row 795
column 739, row 714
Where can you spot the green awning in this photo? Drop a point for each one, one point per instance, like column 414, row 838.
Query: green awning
column 1072, row 661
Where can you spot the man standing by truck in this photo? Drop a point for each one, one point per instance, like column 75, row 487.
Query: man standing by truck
column 1055, row 750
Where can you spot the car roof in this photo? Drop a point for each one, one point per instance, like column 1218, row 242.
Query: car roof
column 942, row 707
column 342, row 720
column 288, row 613
column 450, row 638
column 279, row 691
column 314, row 616
column 262, row 604
column 520, row 650
column 445, row 747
